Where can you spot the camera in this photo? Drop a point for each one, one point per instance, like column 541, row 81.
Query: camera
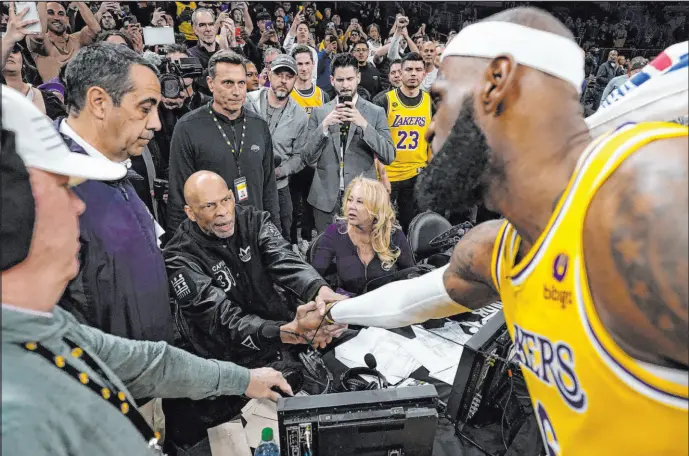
column 173, row 72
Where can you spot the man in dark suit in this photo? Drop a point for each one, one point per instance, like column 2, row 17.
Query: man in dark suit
column 343, row 140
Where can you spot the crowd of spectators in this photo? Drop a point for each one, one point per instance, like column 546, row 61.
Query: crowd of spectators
column 282, row 127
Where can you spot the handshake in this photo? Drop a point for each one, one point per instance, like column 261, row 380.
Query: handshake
column 309, row 326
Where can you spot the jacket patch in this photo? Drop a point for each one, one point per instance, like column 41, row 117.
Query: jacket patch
column 245, row 254
column 273, row 230
column 183, row 287
column 249, row 343
column 223, row 276
column 255, row 148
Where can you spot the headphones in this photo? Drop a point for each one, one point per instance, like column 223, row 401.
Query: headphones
column 350, row 382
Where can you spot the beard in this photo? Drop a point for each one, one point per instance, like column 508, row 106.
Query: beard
column 457, row 177
column 281, row 93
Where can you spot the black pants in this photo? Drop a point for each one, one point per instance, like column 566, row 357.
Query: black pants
column 285, row 202
column 325, row 219
column 402, row 196
column 302, row 211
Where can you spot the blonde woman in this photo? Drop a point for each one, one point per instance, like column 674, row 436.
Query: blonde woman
column 366, row 242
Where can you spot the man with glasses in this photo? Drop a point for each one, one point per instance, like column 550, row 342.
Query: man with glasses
column 54, row 46
column 268, row 57
column 370, row 76
column 203, row 23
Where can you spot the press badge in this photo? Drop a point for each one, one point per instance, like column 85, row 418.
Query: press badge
column 241, row 189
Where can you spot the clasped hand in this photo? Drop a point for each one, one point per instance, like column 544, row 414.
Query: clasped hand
column 309, row 326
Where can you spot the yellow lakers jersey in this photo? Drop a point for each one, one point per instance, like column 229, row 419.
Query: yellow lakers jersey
column 408, row 125
column 310, row 102
column 589, row 396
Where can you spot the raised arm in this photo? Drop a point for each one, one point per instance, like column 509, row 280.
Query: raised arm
column 89, row 18
column 16, row 31
column 636, row 253
column 248, row 23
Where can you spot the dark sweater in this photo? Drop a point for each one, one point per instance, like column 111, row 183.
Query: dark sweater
column 370, row 78
column 352, row 275
column 198, row 145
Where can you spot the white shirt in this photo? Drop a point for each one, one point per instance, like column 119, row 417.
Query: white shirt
column 342, row 146
column 66, row 130
column 429, row 80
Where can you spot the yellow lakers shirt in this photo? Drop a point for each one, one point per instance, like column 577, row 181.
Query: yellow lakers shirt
column 589, row 396
column 310, row 100
column 408, row 125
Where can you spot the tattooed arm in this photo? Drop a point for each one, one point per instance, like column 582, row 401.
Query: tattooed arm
column 636, row 252
column 467, row 279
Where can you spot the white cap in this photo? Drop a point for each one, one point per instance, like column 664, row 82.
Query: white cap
column 41, row 146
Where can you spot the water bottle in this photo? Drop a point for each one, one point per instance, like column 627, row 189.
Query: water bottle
column 267, row 447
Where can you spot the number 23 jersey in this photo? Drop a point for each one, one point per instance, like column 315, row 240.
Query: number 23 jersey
column 408, row 125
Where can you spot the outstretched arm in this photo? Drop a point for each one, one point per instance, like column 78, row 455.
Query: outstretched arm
column 462, row 285
column 635, row 249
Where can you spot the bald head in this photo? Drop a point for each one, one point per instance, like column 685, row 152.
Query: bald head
column 210, row 203
column 533, row 18
column 199, row 183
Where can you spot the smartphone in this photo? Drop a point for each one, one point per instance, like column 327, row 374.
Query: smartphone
column 158, row 35
column 344, row 99
column 31, row 14
column 269, row 25
column 224, row 8
column 237, row 31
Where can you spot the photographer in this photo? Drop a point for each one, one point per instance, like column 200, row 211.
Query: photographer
column 174, row 107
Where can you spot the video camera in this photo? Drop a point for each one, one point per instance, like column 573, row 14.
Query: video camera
column 173, row 72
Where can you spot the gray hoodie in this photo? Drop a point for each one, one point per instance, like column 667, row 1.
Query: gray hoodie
column 288, row 132
column 48, row 412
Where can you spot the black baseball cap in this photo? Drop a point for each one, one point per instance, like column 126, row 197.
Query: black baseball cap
column 263, row 16
column 284, row 61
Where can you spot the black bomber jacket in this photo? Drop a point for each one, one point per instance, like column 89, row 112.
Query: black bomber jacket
column 225, row 302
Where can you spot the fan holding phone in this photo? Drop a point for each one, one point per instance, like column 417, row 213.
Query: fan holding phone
column 54, row 46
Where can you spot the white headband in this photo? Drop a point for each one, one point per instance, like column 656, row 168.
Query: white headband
column 544, row 51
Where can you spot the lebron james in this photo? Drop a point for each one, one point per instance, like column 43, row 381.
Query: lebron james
column 591, row 261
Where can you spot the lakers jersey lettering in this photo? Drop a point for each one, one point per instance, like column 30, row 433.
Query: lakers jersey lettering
column 308, row 102
column 408, row 126
column 408, row 121
column 589, row 396
column 552, row 363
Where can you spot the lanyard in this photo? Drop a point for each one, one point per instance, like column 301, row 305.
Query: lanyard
column 272, row 126
column 109, row 392
column 236, row 151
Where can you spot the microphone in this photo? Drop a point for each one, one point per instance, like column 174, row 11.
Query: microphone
column 372, row 364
